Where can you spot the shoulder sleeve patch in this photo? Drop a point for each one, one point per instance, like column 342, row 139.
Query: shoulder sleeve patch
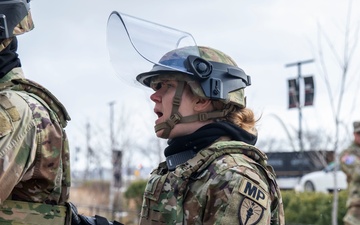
column 250, row 212
column 254, row 192
column 348, row 159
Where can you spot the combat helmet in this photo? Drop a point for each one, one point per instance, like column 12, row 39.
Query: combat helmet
column 15, row 19
column 210, row 74
column 174, row 54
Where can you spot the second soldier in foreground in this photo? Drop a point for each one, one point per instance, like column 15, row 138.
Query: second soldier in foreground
column 34, row 151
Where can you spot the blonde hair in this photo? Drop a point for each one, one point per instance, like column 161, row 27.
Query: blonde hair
column 242, row 117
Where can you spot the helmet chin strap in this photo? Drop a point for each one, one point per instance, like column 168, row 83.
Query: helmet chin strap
column 177, row 118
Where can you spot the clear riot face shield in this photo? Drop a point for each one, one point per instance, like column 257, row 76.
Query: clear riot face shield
column 136, row 45
column 11, row 14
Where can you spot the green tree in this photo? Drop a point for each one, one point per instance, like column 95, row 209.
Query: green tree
column 135, row 192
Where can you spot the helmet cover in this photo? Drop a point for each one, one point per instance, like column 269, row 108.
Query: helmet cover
column 15, row 18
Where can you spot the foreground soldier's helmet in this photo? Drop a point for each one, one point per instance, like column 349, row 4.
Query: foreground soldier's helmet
column 212, row 74
column 15, row 18
column 174, row 55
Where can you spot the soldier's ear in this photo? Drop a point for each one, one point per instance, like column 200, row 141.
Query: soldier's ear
column 202, row 105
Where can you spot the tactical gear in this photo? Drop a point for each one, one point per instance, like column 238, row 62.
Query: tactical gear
column 181, row 149
column 41, row 94
column 212, row 74
column 222, row 184
column 135, row 45
column 77, row 219
column 34, row 144
column 15, row 18
column 209, row 72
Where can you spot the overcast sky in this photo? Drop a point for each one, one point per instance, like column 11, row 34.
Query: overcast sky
column 67, row 53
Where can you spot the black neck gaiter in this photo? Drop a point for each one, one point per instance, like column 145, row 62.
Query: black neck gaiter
column 206, row 135
column 9, row 58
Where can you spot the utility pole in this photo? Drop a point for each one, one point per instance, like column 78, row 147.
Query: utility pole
column 112, row 139
column 116, row 162
column 299, row 78
column 112, row 143
column 88, row 152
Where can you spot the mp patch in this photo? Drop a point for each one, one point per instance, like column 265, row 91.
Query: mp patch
column 254, row 192
column 250, row 212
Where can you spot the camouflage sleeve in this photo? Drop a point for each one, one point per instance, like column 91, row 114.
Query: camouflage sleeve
column 238, row 196
column 17, row 138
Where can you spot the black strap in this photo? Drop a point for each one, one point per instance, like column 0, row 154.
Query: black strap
column 179, row 158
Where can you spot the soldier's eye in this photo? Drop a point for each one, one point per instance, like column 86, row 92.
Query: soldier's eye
column 158, row 86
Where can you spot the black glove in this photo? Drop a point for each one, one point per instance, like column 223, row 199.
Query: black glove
column 77, row 219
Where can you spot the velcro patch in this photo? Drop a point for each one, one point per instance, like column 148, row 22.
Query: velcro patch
column 5, row 125
column 9, row 107
column 254, row 192
column 250, row 212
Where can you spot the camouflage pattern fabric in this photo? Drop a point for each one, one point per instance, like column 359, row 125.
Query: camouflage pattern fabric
column 34, row 150
column 26, row 213
column 227, row 183
column 25, row 25
column 350, row 164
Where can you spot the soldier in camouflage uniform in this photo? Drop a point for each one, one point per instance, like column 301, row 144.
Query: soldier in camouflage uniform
column 213, row 174
column 350, row 164
column 34, row 151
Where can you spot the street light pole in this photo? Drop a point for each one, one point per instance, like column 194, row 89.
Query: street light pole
column 298, row 64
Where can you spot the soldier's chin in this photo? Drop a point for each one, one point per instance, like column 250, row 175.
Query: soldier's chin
column 159, row 133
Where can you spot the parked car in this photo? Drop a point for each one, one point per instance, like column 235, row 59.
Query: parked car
column 322, row 181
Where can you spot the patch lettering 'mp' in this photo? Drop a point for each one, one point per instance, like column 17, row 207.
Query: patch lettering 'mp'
column 254, row 192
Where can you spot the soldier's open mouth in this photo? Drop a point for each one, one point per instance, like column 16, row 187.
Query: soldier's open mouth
column 159, row 114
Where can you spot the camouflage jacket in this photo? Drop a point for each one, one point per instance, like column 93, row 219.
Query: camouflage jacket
column 34, row 151
column 227, row 183
column 350, row 164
